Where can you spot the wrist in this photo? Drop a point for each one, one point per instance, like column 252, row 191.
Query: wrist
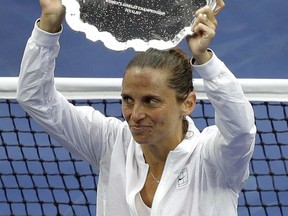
column 49, row 24
column 201, row 58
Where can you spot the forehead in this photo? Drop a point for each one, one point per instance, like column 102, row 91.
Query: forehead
column 145, row 75
column 145, row 79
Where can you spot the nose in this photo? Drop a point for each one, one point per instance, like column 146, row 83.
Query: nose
column 138, row 112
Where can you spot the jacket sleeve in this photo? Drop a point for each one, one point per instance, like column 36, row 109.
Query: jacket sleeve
column 230, row 142
column 73, row 127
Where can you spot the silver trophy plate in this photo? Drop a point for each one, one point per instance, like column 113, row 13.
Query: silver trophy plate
column 123, row 24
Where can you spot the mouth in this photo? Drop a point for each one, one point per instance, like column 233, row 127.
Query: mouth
column 139, row 129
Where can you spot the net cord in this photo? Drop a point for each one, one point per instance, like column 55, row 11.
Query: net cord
column 110, row 88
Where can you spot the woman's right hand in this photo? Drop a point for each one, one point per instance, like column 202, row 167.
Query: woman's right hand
column 53, row 13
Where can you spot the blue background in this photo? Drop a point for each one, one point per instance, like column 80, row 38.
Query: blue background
column 252, row 39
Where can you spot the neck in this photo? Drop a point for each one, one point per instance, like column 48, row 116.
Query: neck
column 156, row 154
column 156, row 164
column 159, row 152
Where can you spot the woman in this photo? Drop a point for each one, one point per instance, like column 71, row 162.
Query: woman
column 156, row 162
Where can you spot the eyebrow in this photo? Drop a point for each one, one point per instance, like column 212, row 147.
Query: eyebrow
column 124, row 95
column 144, row 97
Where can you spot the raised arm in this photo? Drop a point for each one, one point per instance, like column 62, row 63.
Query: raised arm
column 81, row 130
column 204, row 29
column 229, row 145
column 53, row 13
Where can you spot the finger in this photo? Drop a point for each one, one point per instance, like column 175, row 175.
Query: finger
column 204, row 20
column 219, row 6
column 204, row 30
column 208, row 12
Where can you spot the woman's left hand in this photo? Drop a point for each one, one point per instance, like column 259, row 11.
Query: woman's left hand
column 204, row 30
column 219, row 6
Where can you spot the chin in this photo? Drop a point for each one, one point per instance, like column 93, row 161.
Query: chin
column 140, row 140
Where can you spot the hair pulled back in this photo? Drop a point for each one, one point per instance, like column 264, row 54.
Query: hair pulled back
column 175, row 62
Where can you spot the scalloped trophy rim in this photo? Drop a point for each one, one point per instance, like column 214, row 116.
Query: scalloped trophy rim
column 76, row 23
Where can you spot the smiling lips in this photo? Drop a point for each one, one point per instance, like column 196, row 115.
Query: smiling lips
column 137, row 129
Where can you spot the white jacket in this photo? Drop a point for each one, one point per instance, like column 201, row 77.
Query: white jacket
column 203, row 176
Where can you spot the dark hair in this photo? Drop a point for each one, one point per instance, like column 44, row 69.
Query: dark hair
column 174, row 61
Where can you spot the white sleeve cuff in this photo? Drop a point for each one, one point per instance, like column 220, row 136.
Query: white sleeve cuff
column 210, row 69
column 43, row 38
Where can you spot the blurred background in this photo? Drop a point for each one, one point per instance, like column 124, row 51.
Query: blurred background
column 252, row 39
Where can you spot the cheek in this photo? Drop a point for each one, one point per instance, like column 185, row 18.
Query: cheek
column 125, row 113
column 162, row 117
column 169, row 117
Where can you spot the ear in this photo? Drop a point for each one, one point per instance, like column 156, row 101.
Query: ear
column 189, row 104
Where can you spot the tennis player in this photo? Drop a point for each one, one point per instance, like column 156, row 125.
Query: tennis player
column 156, row 162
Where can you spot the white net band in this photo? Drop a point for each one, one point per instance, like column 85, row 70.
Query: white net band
column 110, row 88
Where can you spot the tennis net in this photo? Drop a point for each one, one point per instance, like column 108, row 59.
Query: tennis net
column 39, row 177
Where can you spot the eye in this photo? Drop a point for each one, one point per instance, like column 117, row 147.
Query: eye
column 150, row 101
column 127, row 100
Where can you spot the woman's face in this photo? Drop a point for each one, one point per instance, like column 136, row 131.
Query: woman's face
column 150, row 107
